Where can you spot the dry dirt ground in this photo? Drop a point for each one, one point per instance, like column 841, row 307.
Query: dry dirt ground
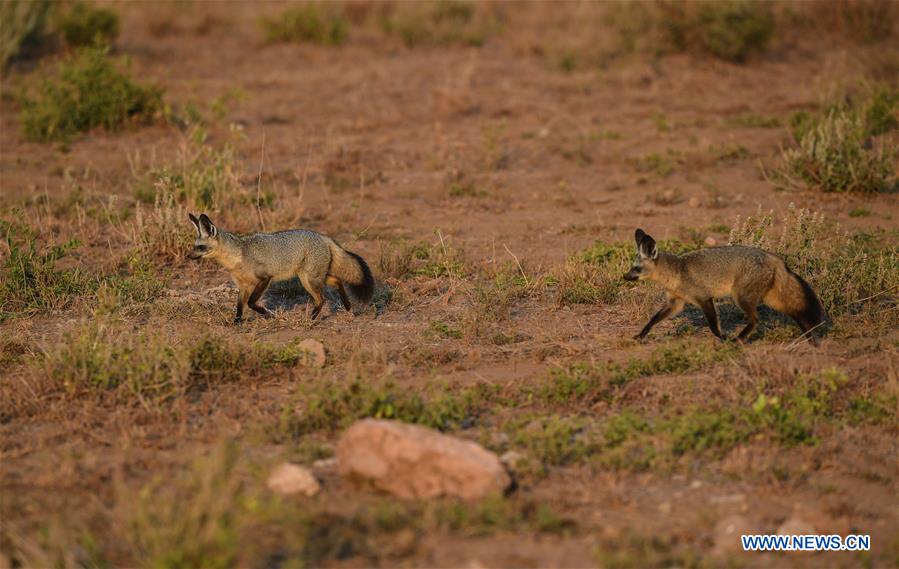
column 494, row 158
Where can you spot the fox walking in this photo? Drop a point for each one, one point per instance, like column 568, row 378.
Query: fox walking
column 256, row 260
column 748, row 275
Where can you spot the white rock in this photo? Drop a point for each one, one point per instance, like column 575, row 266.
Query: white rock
column 289, row 479
column 313, row 353
column 409, row 461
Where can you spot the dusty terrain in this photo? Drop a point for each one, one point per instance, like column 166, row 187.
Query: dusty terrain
column 497, row 159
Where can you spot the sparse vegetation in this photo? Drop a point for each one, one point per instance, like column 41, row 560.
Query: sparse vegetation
column 88, row 91
column 834, row 157
column 87, row 25
column 23, row 24
column 312, row 23
column 329, row 407
column 31, row 281
column 730, row 29
column 594, row 274
column 446, row 22
column 203, row 176
column 851, row 273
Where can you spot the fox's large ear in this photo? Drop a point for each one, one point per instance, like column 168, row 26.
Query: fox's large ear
column 206, row 226
column 639, row 234
column 196, row 223
column 646, row 245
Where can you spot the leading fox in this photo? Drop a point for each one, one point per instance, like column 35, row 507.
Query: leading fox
column 746, row 274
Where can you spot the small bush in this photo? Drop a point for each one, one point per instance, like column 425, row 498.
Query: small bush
column 31, row 281
column 309, row 23
column 594, row 274
column 851, row 273
column 88, row 91
column 554, row 441
column 86, row 25
column 23, row 23
column 330, row 407
column 728, row 29
column 445, row 22
column 194, row 522
column 835, row 157
column 203, row 176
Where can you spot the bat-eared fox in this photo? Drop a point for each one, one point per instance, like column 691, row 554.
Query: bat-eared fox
column 746, row 274
column 256, row 260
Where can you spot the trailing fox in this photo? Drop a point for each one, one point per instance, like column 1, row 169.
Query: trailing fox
column 746, row 274
column 256, row 260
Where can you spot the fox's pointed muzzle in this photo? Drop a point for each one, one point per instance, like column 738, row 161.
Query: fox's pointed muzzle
column 631, row 276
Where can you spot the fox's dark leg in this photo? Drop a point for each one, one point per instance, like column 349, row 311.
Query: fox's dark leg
column 315, row 288
column 708, row 308
column 335, row 282
column 241, row 301
column 674, row 306
column 806, row 327
column 750, row 307
column 343, row 297
column 254, row 297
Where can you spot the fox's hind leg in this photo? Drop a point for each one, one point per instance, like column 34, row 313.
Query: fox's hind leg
column 315, row 288
column 335, row 282
column 708, row 308
column 674, row 306
column 750, row 307
column 254, row 297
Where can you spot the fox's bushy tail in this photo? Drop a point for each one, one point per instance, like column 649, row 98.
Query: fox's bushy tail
column 352, row 270
column 793, row 296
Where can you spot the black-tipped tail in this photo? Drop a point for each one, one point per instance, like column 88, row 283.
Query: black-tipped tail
column 810, row 315
column 365, row 289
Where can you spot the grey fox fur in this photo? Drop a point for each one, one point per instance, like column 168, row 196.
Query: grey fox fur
column 254, row 261
column 746, row 274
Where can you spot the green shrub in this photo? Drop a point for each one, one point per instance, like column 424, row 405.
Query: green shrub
column 88, row 91
column 86, row 25
column 445, row 22
column 834, row 156
column 309, row 23
column 31, row 281
column 851, row 273
column 22, row 23
column 728, row 29
column 329, row 407
column 876, row 108
column 203, row 176
column 554, row 441
column 594, row 274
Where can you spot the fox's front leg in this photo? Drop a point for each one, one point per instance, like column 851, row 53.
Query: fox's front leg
column 673, row 306
column 242, row 296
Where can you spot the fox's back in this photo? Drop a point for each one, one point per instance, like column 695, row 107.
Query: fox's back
column 719, row 270
column 281, row 253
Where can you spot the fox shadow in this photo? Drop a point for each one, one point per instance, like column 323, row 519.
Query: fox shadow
column 731, row 320
column 290, row 295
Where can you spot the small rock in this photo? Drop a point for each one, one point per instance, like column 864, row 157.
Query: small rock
column 409, row 461
column 796, row 526
column 313, row 353
column 711, row 241
column 289, row 479
column 694, row 202
column 325, row 464
column 728, row 532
